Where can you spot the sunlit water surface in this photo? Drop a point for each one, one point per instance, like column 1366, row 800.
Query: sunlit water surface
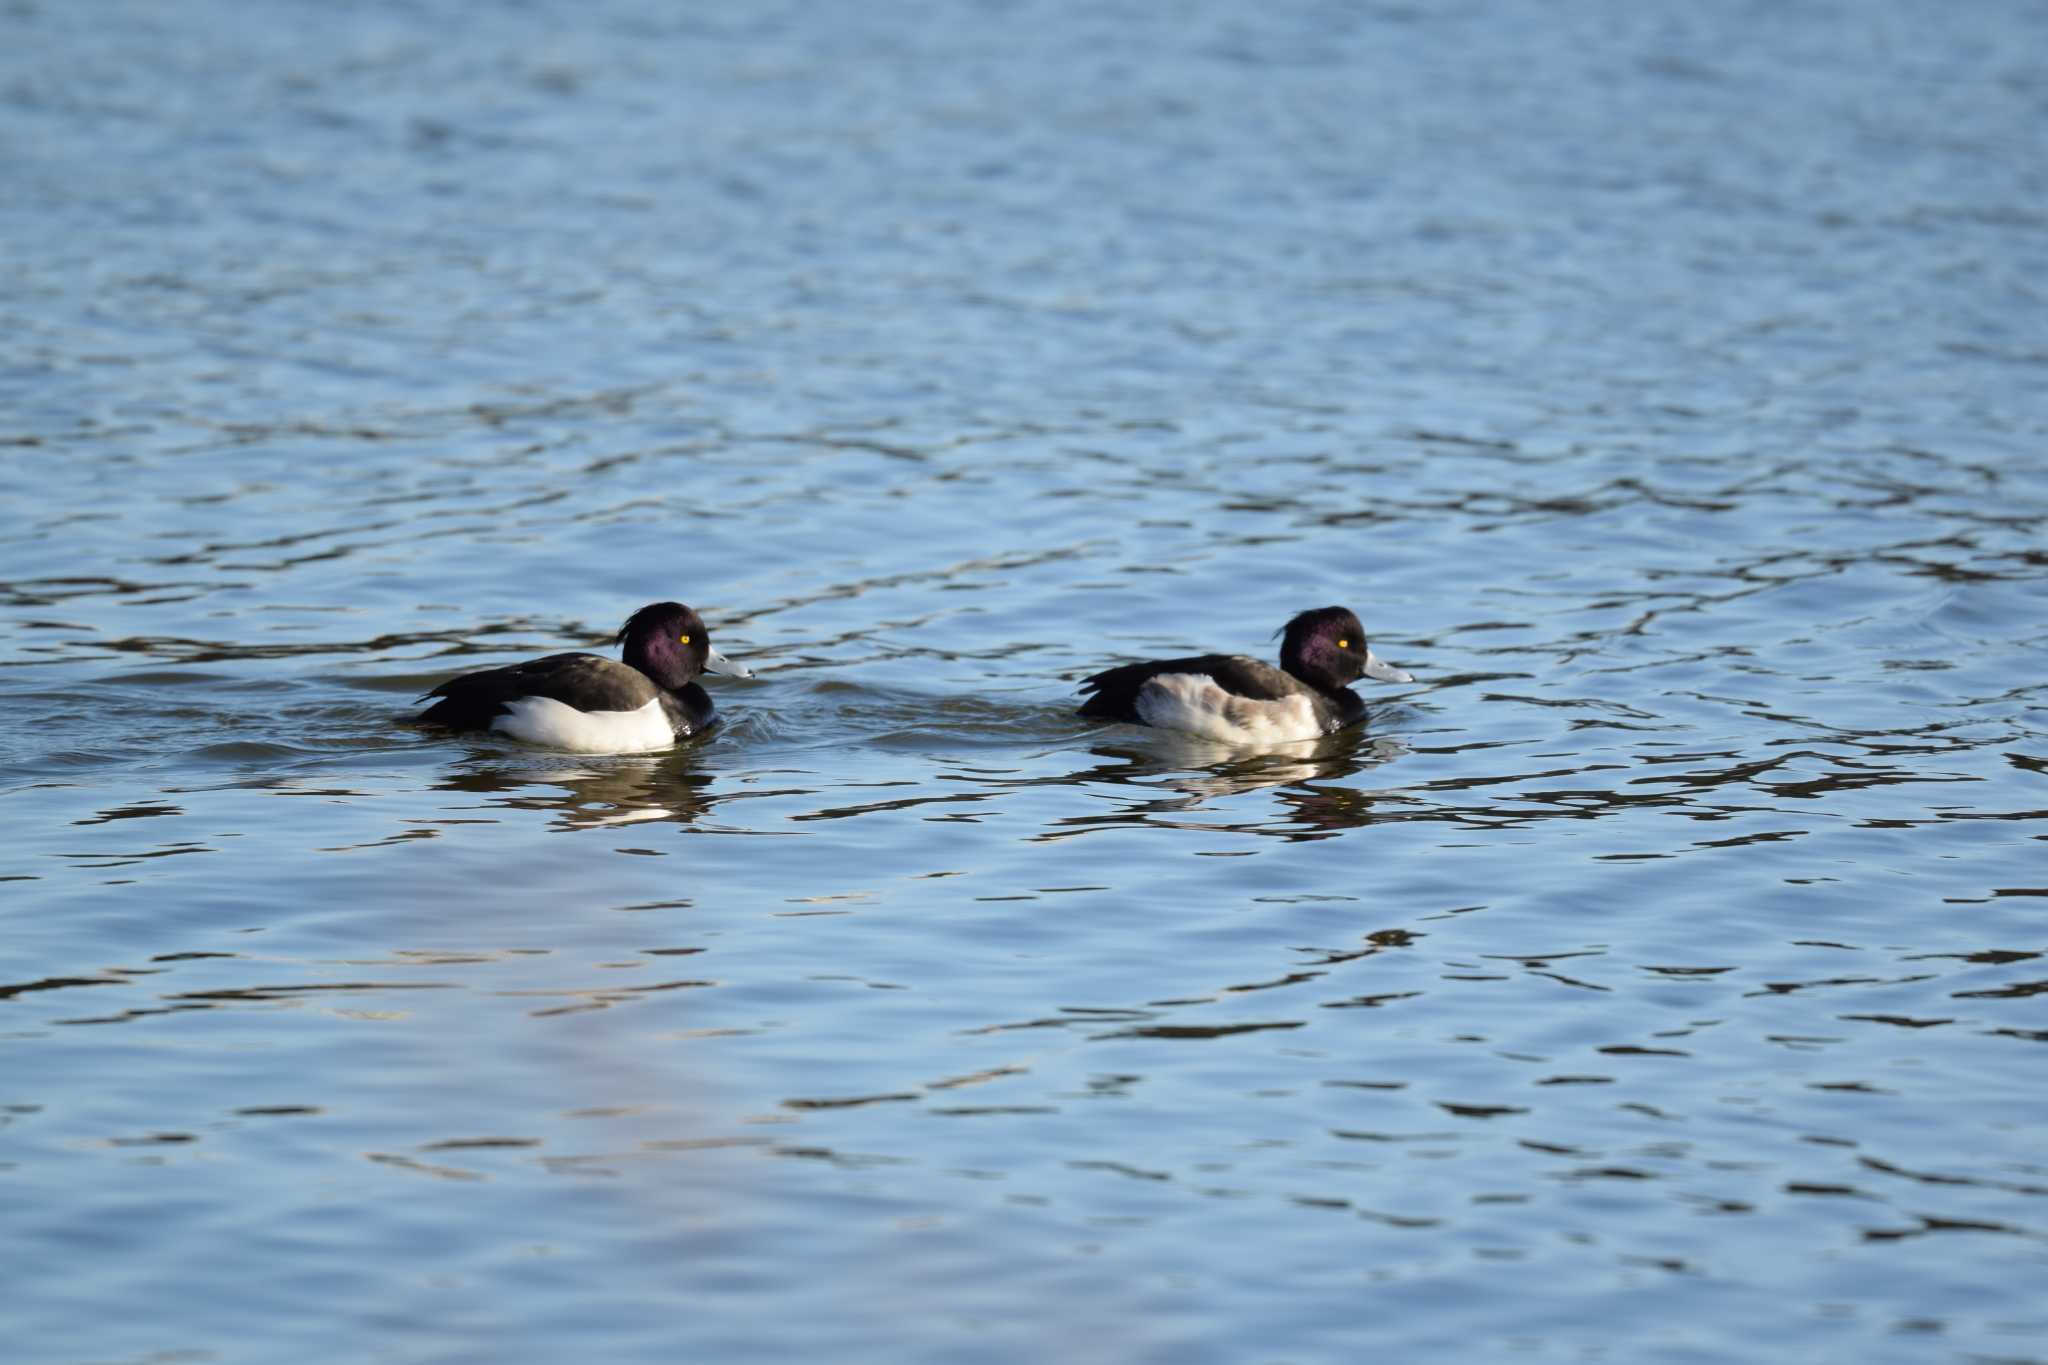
column 1659, row 976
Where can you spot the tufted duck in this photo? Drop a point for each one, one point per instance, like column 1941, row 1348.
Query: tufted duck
column 592, row 705
column 1242, row 701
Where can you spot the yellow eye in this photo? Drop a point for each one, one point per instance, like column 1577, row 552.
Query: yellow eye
column 682, row 639
column 1343, row 644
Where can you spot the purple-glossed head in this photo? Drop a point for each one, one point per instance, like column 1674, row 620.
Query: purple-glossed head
column 668, row 642
column 1326, row 648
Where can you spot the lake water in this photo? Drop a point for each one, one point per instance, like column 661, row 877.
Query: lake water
column 1659, row 976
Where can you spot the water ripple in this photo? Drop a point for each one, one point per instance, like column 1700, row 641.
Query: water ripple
column 1661, row 967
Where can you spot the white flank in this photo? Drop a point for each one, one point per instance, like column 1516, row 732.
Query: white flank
column 1194, row 703
column 547, row 722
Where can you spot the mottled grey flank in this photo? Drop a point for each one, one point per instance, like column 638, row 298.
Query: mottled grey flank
column 1659, row 976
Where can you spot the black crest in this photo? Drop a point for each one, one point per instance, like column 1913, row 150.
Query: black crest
column 667, row 641
column 1324, row 647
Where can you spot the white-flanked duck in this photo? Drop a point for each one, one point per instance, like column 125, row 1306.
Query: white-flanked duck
column 588, row 704
column 1239, row 700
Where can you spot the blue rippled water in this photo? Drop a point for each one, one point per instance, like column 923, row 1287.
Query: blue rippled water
column 1658, row 976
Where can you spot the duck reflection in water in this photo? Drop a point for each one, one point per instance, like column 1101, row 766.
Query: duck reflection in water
column 1177, row 775
column 594, row 795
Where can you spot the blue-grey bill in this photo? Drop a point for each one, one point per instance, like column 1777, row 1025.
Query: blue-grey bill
column 1376, row 667
column 714, row 662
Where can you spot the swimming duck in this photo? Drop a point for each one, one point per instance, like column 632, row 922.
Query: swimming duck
column 1241, row 701
column 588, row 704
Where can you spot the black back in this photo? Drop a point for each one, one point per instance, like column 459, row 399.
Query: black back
column 584, row 681
column 1115, row 690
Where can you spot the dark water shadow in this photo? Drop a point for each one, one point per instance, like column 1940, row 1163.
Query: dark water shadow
column 1164, row 780
column 590, row 792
